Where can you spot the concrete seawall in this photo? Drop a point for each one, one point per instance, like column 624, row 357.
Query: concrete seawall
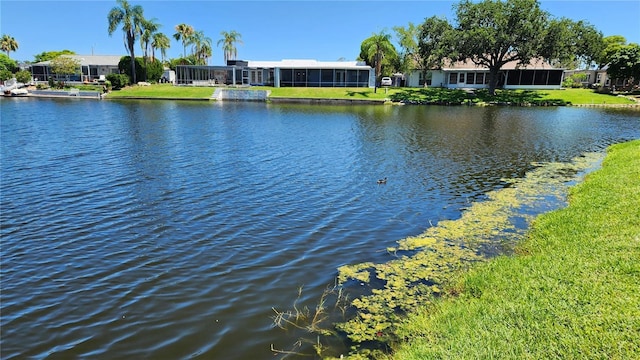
column 240, row 94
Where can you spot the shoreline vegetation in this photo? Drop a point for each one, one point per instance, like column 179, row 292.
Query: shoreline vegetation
column 571, row 290
column 439, row 96
column 566, row 286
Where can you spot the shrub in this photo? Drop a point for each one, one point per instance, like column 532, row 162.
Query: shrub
column 23, row 76
column 574, row 81
column 118, row 81
column 151, row 73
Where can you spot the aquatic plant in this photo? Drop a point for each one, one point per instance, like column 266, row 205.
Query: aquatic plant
column 420, row 268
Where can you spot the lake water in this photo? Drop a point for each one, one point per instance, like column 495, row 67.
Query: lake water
column 168, row 230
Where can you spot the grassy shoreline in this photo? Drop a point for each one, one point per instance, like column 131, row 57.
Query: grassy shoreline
column 407, row 95
column 571, row 293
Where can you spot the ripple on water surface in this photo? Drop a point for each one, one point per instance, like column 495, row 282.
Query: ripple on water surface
column 168, row 230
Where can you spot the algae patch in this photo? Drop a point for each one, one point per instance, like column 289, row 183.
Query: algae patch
column 485, row 229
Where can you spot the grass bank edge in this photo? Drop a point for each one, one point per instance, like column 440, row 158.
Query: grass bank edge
column 571, row 292
column 574, row 96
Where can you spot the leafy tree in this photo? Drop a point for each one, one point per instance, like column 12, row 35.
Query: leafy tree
column 8, row 44
column 5, row 74
column 130, row 17
column 570, row 44
column 492, row 33
column 625, row 63
column 65, row 65
column 611, row 45
column 229, row 41
column 162, row 42
column 435, row 43
column 49, row 55
column 6, row 64
column 184, row 33
column 23, row 76
column 377, row 51
column 409, row 56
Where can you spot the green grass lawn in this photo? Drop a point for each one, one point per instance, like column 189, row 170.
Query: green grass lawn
column 584, row 96
column 159, row 91
column 330, row 93
column 432, row 95
column 570, row 293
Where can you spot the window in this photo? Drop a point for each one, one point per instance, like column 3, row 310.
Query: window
column 461, row 79
column 453, row 78
column 470, row 78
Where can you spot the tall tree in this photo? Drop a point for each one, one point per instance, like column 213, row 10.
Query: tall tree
column 201, row 49
column 376, row 49
column 408, row 38
column 492, row 33
column 625, row 64
column 8, row 44
column 147, row 28
column 611, row 45
column 570, row 44
column 229, row 41
column 184, row 33
column 130, row 17
column 435, row 43
column 160, row 41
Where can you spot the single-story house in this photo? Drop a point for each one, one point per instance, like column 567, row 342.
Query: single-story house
column 284, row 73
column 92, row 68
column 598, row 78
column 538, row 74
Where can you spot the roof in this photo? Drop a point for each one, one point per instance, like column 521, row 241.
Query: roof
column 104, row 60
column 308, row 64
column 534, row 64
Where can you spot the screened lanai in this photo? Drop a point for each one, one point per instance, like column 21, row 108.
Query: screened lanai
column 285, row 73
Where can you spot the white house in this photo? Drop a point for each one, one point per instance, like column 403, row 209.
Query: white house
column 538, row 74
column 284, row 73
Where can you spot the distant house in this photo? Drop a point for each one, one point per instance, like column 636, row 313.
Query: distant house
column 538, row 74
column 284, row 73
column 92, row 67
column 598, row 78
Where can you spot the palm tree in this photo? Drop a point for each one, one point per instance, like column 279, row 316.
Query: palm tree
column 229, row 39
column 183, row 32
column 201, row 47
column 148, row 28
column 162, row 42
column 375, row 49
column 8, row 44
column 130, row 17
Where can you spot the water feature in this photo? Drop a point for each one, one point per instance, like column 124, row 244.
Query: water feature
column 159, row 229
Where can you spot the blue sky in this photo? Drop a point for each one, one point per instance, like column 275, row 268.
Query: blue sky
column 271, row 30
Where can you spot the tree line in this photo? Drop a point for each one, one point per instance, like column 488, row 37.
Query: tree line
column 492, row 33
column 136, row 27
